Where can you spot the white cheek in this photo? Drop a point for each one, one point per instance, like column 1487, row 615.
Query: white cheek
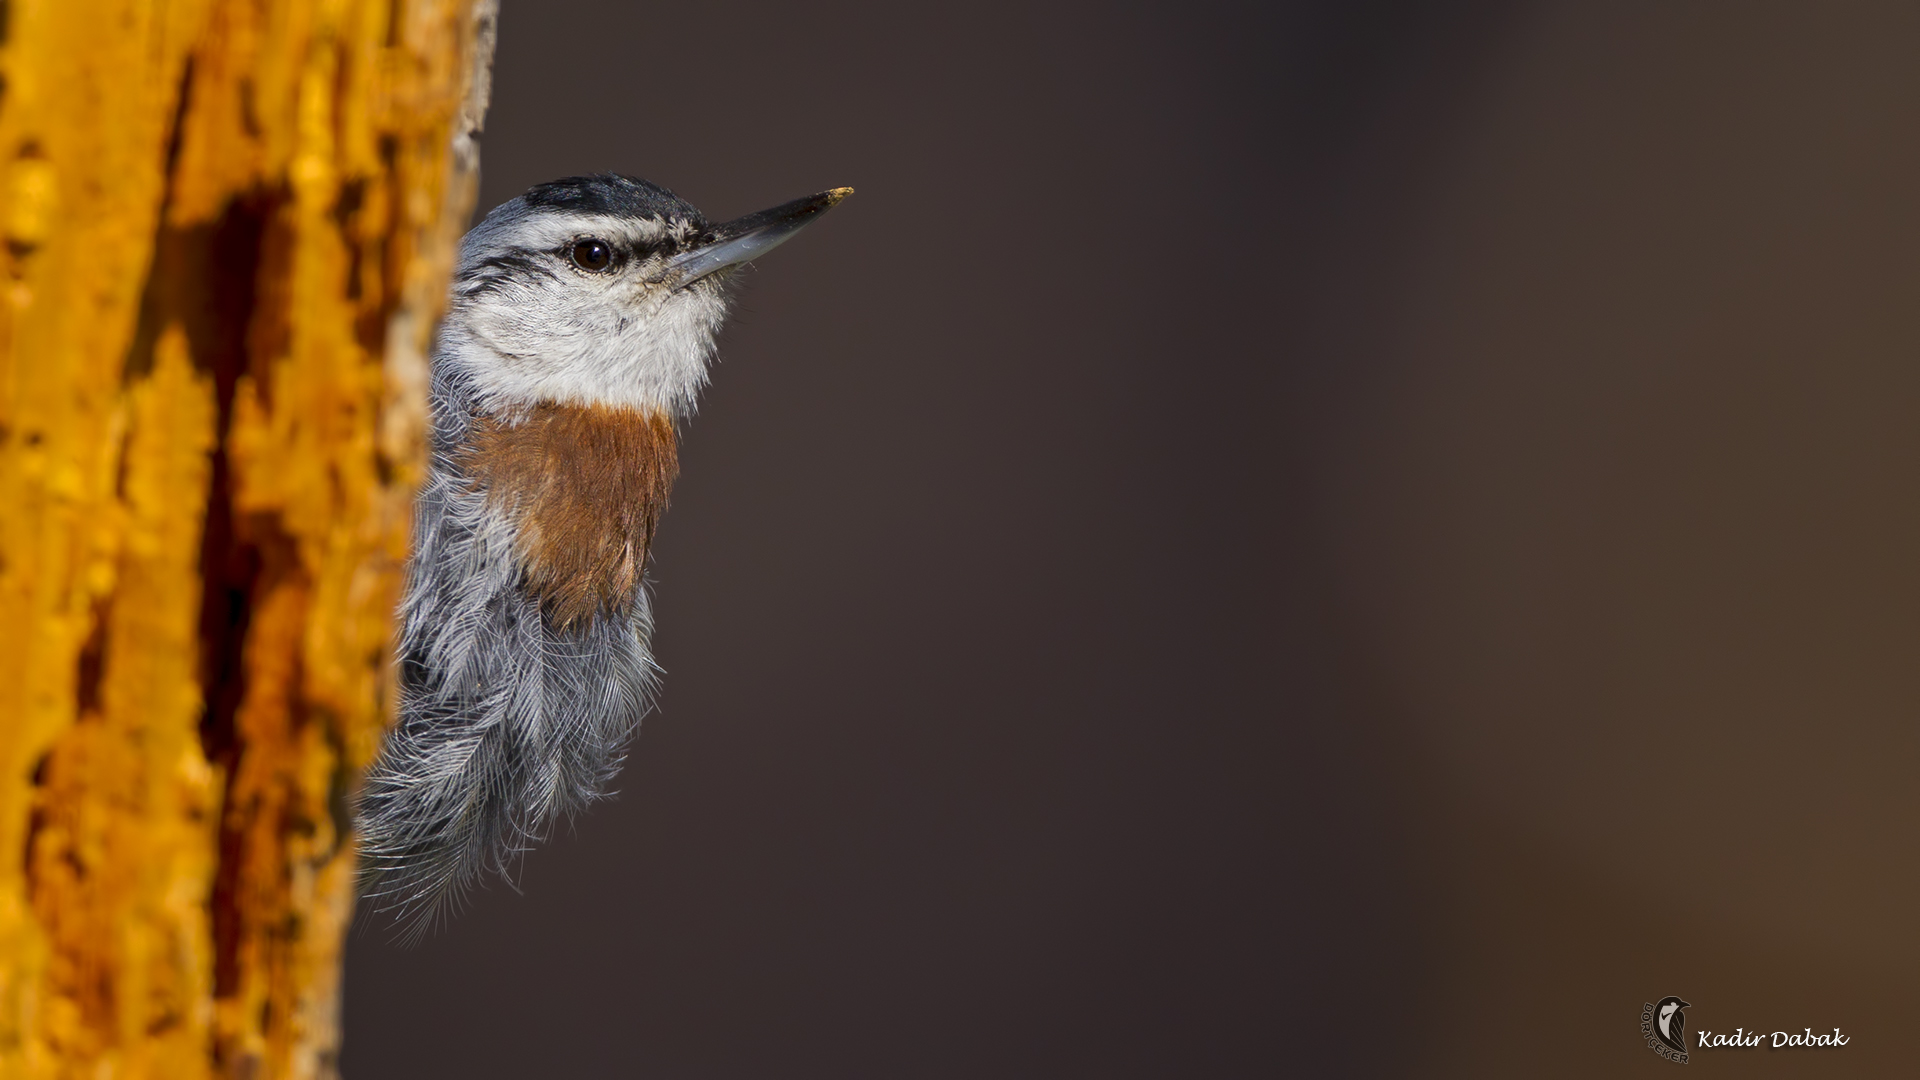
column 537, row 347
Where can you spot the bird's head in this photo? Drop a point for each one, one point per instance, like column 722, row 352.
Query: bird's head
column 602, row 290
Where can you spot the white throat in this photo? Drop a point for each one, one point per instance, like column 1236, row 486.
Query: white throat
column 646, row 350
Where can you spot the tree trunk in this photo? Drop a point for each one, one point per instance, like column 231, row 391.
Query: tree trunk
column 228, row 227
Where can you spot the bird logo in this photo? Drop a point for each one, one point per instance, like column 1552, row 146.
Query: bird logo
column 1665, row 1028
column 1671, row 1018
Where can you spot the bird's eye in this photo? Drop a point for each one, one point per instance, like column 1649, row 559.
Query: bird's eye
column 591, row 254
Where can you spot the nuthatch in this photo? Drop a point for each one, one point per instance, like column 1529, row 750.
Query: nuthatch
column 582, row 320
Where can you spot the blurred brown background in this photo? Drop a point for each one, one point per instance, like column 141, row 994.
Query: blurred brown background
column 1308, row 539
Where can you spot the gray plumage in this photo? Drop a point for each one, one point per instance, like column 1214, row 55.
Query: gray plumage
column 513, row 715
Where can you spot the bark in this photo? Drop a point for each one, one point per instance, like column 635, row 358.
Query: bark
column 228, row 226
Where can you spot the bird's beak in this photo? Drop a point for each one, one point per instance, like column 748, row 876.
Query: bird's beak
column 750, row 237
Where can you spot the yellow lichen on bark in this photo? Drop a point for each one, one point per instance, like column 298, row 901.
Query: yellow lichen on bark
column 227, row 229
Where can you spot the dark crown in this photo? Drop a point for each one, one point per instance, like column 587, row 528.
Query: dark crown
column 615, row 196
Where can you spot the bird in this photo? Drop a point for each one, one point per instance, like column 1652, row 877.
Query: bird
column 1673, row 1023
column 579, row 330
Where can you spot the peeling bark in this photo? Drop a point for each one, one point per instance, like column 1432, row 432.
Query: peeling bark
column 228, row 227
